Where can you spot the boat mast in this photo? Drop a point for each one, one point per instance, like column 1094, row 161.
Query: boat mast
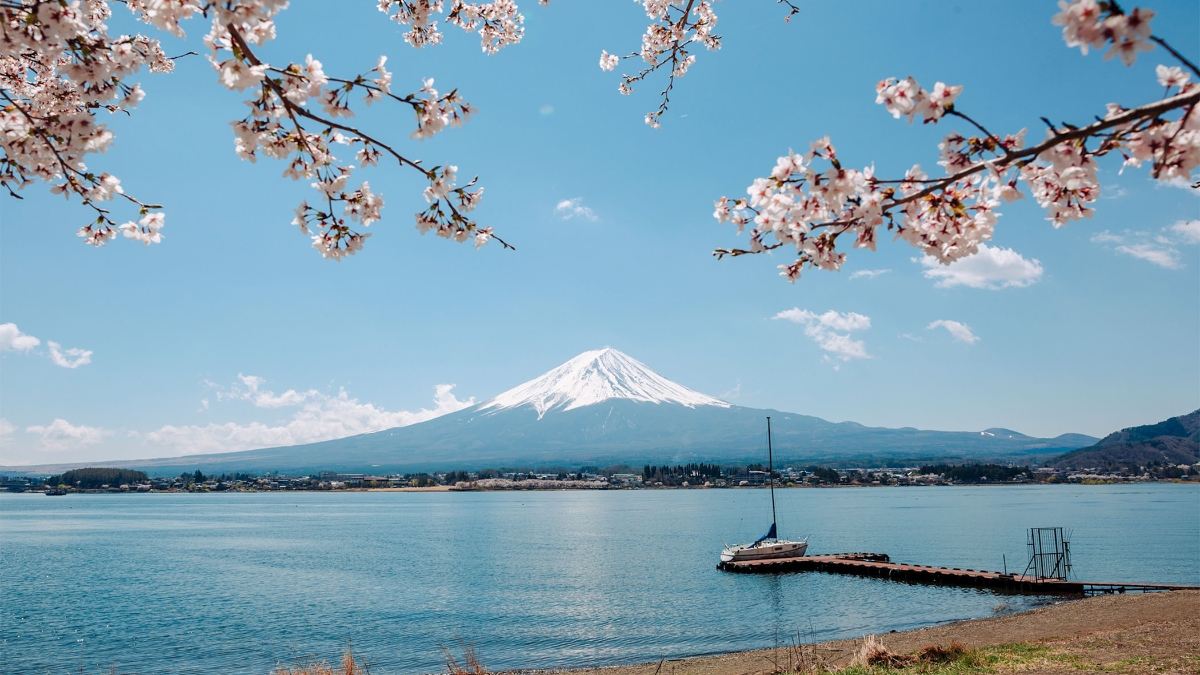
column 771, row 476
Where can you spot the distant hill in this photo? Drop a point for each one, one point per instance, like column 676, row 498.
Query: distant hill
column 1172, row 441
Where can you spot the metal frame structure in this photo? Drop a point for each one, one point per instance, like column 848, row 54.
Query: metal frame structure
column 1049, row 554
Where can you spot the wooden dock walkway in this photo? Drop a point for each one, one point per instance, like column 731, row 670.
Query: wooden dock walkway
column 879, row 565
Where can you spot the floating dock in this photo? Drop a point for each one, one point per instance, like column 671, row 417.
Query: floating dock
column 879, row 565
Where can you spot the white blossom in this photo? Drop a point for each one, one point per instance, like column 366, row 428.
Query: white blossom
column 949, row 217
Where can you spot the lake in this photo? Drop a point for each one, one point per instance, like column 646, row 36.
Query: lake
column 236, row 583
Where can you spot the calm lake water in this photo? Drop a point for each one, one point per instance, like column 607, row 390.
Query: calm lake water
column 236, row 583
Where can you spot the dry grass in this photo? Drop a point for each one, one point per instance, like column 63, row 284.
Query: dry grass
column 470, row 664
column 874, row 654
column 348, row 666
column 467, row 664
column 940, row 654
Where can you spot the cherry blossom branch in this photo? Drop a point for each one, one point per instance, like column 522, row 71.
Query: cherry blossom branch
column 1141, row 17
column 1182, row 59
column 665, row 43
column 1146, row 112
column 977, row 125
column 62, row 129
column 336, row 239
column 948, row 217
column 58, row 66
column 998, row 165
column 294, row 109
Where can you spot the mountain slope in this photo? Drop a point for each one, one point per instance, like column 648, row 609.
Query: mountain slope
column 604, row 407
column 1172, row 441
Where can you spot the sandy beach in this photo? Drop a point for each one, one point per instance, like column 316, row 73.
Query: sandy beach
column 1151, row 633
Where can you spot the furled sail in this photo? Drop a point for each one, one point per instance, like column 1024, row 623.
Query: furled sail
column 769, row 535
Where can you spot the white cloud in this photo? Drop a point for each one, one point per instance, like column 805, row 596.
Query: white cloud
column 572, row 208
column 1113, row 192
column 869, row 274
column 960, row 331
column 13, row 340
column 1188, row 231
column 1158, row 249
column 991, row 267
column 262, row 399
column 6, row 428
column 1157, row 253
column 1178, row 182
column 62, row 435
column 69, row 358
column 822, row 328
column 322, row 417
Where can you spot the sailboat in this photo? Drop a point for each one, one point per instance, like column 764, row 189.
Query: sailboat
column 769, row 545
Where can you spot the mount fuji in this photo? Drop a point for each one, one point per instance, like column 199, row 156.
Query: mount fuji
column 594, row 377
column 604, row 407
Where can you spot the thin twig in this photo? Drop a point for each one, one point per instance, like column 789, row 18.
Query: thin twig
column 1163, row 43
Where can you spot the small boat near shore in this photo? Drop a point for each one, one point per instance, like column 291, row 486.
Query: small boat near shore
column 55, row 493
column 769, row 545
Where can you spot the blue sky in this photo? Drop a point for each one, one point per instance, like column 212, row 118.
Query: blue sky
column 188, row 338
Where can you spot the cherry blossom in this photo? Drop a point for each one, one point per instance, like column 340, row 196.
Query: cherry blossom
column 59, row 66
column 674, row 30
column 668, row 42
column 808, row 203
column 498, row 23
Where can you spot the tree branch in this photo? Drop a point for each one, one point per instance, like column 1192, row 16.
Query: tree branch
column 1133, row 115
column 1182, row 59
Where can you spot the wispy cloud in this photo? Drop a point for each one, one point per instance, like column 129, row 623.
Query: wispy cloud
column 1178, row 182
column 69, row 358
column 6, row 428
column 992, row 268
column 320, row 417
column 868, row 274
column 13, row 340
column 249, row 391
column 1160, row 254
column 574, row 208
column 1159, row 249
column 824, row 331
column 62, row 435
column 960, row 331
column 1188, row 231
column 1113, row 192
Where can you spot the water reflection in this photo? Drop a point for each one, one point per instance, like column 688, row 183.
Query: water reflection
column 201, row 584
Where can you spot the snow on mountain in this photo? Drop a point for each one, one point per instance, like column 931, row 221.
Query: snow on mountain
column 597, row 376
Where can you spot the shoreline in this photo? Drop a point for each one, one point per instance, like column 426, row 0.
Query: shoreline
column 606, row 488
column 1151, row 628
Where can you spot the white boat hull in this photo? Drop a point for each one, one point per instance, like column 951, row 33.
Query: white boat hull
column 764, row 550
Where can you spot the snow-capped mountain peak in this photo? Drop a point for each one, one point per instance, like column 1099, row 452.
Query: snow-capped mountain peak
column 597, row 376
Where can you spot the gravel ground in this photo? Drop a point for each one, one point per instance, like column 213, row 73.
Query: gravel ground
column 1129, row 634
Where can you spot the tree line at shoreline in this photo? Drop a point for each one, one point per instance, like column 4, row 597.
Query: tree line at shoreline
column 100, row 479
